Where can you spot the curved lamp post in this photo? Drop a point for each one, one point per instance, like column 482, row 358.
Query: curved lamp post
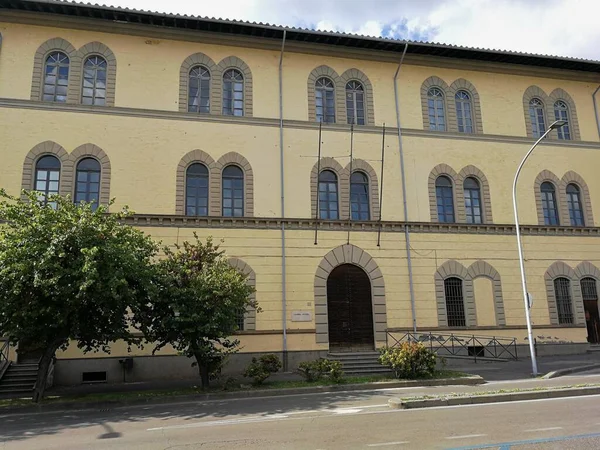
column 526, row 299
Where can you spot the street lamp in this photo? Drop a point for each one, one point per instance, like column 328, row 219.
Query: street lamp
column 526, row 299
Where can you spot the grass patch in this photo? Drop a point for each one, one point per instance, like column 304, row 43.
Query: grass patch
column 156, row 394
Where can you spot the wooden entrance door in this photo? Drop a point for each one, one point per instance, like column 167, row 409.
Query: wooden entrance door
column 350, row 309
column 589, row 293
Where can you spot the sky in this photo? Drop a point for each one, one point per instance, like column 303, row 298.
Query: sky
column 550, row 27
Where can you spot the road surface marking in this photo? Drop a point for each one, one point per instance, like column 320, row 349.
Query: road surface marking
column 543, row 429
column 346, row 410
column 222, row 422
column 383, row 444
column 466, row 436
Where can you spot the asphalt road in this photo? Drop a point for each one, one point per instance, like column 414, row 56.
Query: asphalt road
column 352, row 420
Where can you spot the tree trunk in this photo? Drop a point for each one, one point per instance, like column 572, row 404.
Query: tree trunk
column 44, row 366
column 203, row 370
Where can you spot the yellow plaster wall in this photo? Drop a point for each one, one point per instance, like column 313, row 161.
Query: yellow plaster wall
column 484, row 301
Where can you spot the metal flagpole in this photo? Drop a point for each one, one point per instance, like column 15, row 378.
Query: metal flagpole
column 318, row 175
column 350, row 180
column 381, row 186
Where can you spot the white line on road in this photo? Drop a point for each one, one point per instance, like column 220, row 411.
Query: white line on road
column 543, row 429
column 212, row 423
column 466, row 436
column 383, row 444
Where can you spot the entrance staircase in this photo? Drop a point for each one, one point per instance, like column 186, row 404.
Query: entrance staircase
column 19, row 379
column 359, row 363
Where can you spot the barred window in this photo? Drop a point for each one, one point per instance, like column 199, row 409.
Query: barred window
column 537, row 117
column 56, row 77
column 445, row 199
column 241, row 316
column 355, row 103
column 88, row 182
column 233, row 93
column 589, row 290
column 94, row 81
column 575, row 206
column 561, row 112
column 437, row 110
column 359, row 196
column 328, row 195
column 325, row 100
column 196, row 190
column 564, row 307
column 473, row 201
column 47, row 179
column 455, row 305
column 464, row 112
column 233, row 192
column 199, row 90
column 549, row 207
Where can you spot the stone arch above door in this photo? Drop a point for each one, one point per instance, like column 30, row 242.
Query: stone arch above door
column 349, row 254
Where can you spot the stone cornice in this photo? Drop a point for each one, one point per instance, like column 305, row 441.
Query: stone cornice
column 157, row 220
column 274, row 123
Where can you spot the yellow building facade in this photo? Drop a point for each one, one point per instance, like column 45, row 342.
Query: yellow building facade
column 213, row 127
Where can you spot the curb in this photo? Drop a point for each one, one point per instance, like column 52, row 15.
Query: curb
column 397, row 403
column 105, row 405
column 562, row 372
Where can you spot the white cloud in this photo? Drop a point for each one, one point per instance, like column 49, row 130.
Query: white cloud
column 554, row 27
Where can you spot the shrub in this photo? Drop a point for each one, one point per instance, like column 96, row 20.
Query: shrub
column 321, row 368
column 409, row 360
column 261, row 368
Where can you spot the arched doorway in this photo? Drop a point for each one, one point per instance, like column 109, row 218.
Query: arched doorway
column 350, row 309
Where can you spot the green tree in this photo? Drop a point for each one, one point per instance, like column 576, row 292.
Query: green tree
column 69, row 273
column 198, row 304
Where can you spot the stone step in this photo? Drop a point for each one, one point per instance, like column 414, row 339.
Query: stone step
column 17, row 381
column 16, row 387
column 369, row 371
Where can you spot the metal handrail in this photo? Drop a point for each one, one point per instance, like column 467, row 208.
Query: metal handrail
column 4, row 361
column 463, row 346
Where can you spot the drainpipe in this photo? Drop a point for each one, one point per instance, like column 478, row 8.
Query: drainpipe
column 404, row 201
column 596, row 109
column 282, row 173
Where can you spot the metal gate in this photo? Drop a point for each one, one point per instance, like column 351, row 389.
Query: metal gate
column 349, row 308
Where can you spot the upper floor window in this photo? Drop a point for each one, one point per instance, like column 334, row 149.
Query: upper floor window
column 464, row 112
column 355, row 103
column 537, row 117
column 94, row 81
column 575, row 206
column 47, row 178
column 199, row 90
column 561, row 112
column 196, row 190
column 359, row 196
column 328, row 195
column 233, row 192
column 445, row 199
column 549, row 206
column 325, row 100
column 437, row 111
column 455, row 304
column 56, row 77
column 87, row 188
column 562, row 293
column 472, row 200
column 233, row 93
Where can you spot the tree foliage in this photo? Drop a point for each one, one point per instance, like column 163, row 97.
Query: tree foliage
column 200, row 297
column 69, row 273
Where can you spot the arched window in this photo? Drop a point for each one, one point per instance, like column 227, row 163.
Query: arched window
column 47, row 178
column 233, row 192
column 328, row 195
column 233, row 93
column 196, row 190
column 56, row 77
column 445, row 199
column 87, row 188
column 537, row 117
column 325, row 100
column 437, row 111
column 464, row 112
column 199, row 90
column 575, row 206
column 473, row 200
column 562, row 293
column 355, row 103
column 549, row 206
column 94, row 81
column 561, row 112
column 359, row 196
column 589, row 294
column 455, row 304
